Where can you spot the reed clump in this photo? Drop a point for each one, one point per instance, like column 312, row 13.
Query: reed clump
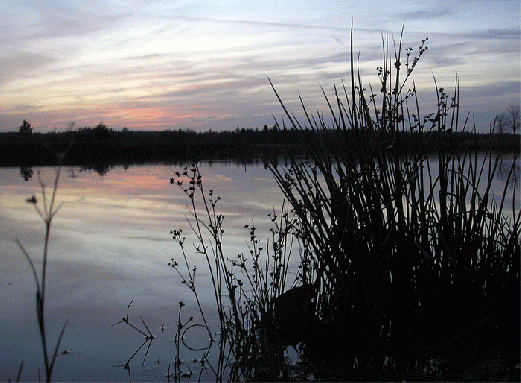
column 414, row 265
column 406, row 271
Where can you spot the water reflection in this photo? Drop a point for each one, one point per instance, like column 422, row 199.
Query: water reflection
column 110, row 245
column 26, row 173
column 147, row 340
column 509, row 166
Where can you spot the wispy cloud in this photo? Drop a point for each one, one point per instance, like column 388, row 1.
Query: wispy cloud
column 425, row 14
column 281, row 25
column 23, row 64
column 205, row 64
column 495, row 34
column 59, row 19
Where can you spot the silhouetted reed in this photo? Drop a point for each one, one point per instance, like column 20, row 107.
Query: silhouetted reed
column 47, row 213
column 47, row 210
column 411, row 263
column 403, row 268
column 245, row 286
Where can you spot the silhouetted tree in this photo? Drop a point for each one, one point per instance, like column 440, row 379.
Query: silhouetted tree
column 500, row 123
column 26, row 129
column 512, row 116
column 101, row 132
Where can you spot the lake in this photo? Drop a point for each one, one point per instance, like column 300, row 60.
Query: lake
column 110, row 246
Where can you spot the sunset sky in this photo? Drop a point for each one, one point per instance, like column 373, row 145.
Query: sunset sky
column 201, row 65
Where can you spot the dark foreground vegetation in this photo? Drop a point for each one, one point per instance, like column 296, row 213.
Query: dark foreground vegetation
column 404, row 272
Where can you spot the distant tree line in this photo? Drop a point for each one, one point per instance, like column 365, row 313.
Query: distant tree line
column 102, row 145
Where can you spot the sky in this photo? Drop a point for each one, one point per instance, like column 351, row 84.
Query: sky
column 201, row 65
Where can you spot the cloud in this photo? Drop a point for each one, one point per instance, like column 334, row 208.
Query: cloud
column 9, row 122
column 264, row 24
column 199, row 63
column 424, row 14
column 59, row 19
column 494, row 34
column 23, row 108
column 334, row 31
column 23, row 64
column 506, row 92
column 40, row 34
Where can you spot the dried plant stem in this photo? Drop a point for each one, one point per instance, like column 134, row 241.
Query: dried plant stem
column 47, row 214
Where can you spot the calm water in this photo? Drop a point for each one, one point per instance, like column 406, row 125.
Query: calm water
column 110, row 245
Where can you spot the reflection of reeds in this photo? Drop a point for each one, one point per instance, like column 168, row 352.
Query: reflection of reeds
column 147, row 340
column 409, row 263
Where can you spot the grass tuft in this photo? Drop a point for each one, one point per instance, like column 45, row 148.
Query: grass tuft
column 410, row 262
column 405, row 270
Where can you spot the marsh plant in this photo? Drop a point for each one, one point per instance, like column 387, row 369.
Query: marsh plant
column 407, row 270
column 410, row 263
column 245, row 285
column 47, row 210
